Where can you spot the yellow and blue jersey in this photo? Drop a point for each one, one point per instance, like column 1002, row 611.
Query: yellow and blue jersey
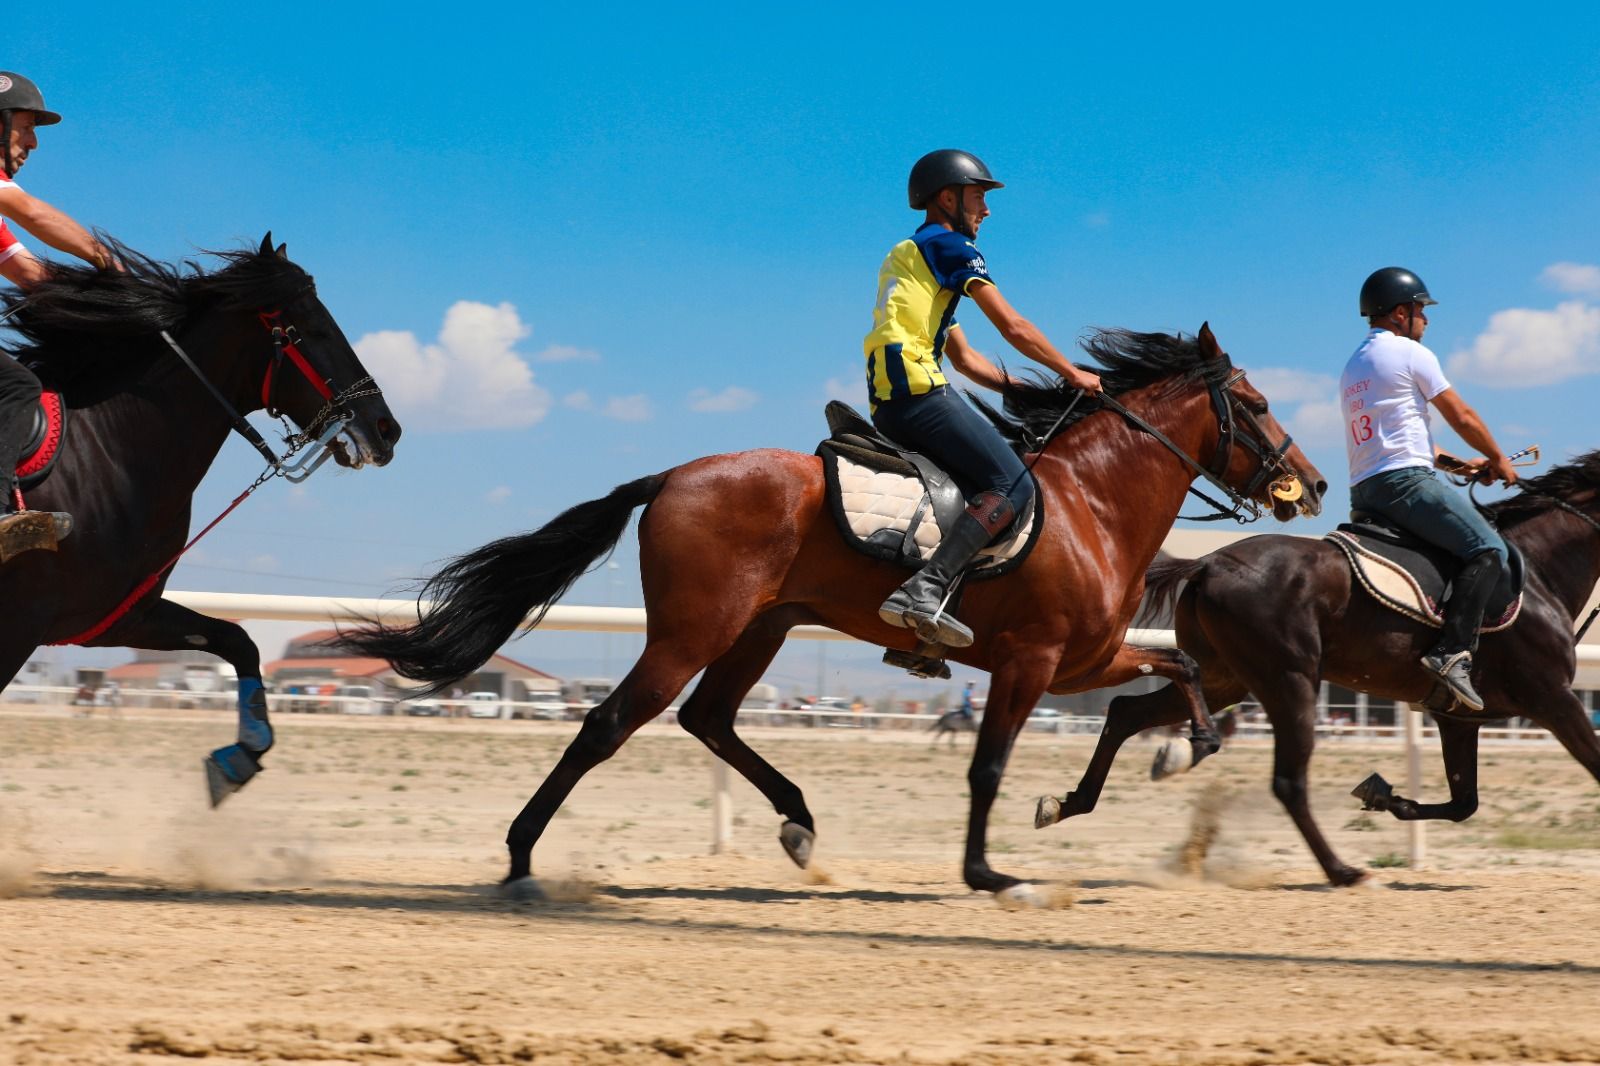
column 921, row 281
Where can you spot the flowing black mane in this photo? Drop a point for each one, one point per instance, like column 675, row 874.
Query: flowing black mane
column 1127, row 361
column 1561, row 482
column 83, row 319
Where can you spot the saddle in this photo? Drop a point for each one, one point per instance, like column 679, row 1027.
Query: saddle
column 896, row 505
column 43, row 442
column 1410, row 576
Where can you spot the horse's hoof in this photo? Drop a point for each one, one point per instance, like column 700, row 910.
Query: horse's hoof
column 523, row 890
column 1375, row 793
column 1202, row 745
column 1047, row 813
column 797, row 841
column 1171, row 759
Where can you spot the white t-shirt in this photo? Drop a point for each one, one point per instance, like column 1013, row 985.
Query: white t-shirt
column 1384, row 396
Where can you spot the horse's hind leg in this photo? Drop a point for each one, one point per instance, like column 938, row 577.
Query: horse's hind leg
column 708, row 716
column 167, row 626
column 1458, row 742
column 659, row 675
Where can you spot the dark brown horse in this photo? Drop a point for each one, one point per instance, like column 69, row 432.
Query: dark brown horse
column 736, row 549
column 1274, row 616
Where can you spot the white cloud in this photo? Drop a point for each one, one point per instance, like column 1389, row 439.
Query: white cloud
column 264, row 563
column 578, row 401
column 1524, row 347
column 635, row 408
column 497, row 495
column 566, row 353
column 470, row 378
column 1316, row 424
column 732, row 398
column 1578, row 279
column 1283, row 386
column 850, row 391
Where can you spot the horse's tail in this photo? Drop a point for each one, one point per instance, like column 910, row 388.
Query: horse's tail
column 480, row 598
column 1162, row 580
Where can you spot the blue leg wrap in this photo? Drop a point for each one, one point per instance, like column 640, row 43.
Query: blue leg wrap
column 255, row 733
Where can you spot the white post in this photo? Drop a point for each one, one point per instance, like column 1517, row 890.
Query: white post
column 721, row 807
column 1417, row 830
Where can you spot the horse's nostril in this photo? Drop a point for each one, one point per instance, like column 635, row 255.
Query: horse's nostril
column 1322, row 488
column 389, row 430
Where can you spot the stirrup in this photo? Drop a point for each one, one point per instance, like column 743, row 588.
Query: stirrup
column 926, row 661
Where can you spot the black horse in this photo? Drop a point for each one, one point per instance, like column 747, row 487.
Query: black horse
column 143, row 428
column 1273, row 616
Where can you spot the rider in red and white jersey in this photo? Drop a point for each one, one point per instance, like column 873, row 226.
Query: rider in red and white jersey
column 21, row 111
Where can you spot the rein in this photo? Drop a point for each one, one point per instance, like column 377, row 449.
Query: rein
column 286, row 343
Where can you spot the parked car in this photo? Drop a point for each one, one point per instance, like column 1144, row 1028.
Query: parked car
column 423, row 708
column 544, row 710
column 1046, row 720
column 362, row 699
column 485, row 705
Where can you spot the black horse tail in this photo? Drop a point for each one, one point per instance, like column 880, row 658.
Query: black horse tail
column 1162, row 581
column 481, row 598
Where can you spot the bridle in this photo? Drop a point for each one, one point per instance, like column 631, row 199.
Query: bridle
column 1286, row 484
column 331, row 420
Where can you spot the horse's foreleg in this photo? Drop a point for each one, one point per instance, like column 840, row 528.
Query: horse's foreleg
column 708, row 716
column 1458, row 742
column 1129, row 715
column 1567, row 718
column 1290, row 701
column 167, row 626
column 1013, row 691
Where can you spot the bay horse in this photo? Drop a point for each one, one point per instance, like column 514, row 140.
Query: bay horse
column 736, row 549
column 143, row 428
column 1274, row 616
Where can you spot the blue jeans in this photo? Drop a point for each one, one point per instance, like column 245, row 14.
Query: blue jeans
column 942, row 426
column 1416, row 500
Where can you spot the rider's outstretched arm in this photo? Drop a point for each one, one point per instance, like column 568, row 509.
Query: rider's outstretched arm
column 54, row 227
column 1465, row 421
column 1027, row 338
column 973, row 364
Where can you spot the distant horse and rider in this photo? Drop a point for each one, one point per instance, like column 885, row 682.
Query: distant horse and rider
column 737, row 549
column 152, row 368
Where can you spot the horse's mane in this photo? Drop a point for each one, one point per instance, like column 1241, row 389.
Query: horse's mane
column 1561, row 482
column 82, row 320
column 1127, row 360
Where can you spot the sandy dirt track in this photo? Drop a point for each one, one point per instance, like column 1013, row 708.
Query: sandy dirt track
column 339, row 910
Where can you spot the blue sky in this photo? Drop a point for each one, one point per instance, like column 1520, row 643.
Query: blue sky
column 580, row 245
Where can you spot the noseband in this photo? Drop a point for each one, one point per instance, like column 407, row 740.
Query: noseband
column 331, row 420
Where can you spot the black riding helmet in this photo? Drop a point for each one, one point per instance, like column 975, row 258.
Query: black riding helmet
column 942, row 169
column 1390, row 287
column 18, row 93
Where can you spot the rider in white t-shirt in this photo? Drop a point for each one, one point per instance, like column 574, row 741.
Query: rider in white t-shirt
column 1385, row 392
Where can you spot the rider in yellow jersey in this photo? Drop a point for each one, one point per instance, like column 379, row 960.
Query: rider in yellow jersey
column 913, row 329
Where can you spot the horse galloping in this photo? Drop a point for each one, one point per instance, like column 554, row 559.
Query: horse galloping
column 1274, row 616
column 155, row 366
column 736, row 549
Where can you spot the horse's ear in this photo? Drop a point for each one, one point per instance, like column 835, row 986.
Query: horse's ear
column 283, row 251
column 1208, row 342
column 266, row 244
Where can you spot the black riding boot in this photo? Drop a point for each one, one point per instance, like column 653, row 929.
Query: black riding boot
column 1451, row 659
column 919, row 603
column 21, row 531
